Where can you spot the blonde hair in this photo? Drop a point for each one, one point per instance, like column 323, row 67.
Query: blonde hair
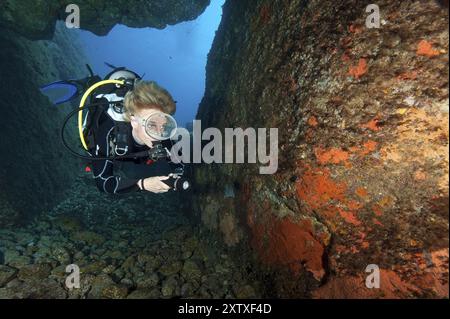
column 148, row 95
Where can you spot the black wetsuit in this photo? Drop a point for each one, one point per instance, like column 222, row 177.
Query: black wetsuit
column 121, row 177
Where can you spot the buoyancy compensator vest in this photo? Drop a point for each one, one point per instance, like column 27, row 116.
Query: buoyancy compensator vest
column 112, row 96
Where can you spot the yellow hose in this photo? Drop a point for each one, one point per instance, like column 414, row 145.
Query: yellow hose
column 83, row 100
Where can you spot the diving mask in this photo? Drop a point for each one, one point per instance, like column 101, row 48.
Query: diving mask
column 159, row 125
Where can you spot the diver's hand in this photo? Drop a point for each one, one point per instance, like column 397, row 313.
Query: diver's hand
column 154, row 184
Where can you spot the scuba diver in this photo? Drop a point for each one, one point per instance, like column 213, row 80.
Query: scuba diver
column 126, row 131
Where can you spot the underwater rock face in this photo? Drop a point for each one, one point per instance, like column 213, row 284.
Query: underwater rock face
column 363, row 144
column 36, row 19
column 35, row 170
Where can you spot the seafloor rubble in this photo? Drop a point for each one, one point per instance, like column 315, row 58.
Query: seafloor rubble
column 124, row 250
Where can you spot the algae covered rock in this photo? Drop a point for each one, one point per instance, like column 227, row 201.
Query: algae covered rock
column 171, row 268
column 42, row 289
column 14, row 259
column 103, row 287
column 115, row 292
column 68, row 223
column 93, row 267
column 145, row 294
column 245, row 292
column 6, row 274
column 147, row 281
column 61, row 255
column 34, row 272
column 89, row 237
column 191, row 270
column 169, row 286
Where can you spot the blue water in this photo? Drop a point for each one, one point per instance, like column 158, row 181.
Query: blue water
column 175, row 57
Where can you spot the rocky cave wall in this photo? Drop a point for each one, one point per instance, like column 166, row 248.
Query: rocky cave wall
column 34, row 167
column 363, row 144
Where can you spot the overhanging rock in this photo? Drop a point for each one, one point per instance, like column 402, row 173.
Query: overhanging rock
column 36, row 19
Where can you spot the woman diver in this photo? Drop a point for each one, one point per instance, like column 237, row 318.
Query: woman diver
column 145, row 101
column 126, row 131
